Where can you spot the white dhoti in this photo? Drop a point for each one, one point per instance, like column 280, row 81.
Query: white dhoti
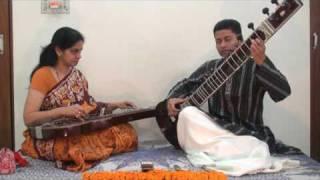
column 209, row 146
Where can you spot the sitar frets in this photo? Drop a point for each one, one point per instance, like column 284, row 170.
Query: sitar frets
column 231, row 64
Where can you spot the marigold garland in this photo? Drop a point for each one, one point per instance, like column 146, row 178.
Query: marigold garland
column 155, row 175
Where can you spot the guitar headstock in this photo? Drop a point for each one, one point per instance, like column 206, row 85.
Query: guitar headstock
column 283, row 12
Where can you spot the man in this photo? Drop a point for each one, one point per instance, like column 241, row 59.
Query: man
column 238, row 105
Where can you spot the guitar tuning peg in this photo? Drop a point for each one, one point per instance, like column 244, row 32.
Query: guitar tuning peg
column 251, row 26
column 275, row 2
column 265, row 11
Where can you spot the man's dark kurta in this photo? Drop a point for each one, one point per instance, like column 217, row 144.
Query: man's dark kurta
column 238, row 104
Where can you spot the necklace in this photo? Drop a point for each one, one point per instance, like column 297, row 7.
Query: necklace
column 58, row 76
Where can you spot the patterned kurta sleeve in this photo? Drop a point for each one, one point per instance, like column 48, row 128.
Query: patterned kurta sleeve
column 186, row 86
column 273, row 81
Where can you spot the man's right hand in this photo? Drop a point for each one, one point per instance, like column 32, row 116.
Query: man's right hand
column 172, row 105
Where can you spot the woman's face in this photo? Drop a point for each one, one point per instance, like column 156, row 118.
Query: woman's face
column 72, row 55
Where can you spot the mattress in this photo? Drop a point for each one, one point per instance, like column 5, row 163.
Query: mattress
column 162, row 156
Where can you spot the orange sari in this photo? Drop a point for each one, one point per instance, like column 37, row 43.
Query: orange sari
column 75, row 153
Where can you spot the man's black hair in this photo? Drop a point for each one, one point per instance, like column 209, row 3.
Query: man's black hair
column 230, row 24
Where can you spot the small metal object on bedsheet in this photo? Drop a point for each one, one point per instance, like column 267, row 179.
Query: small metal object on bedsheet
column 146, row 166
column 177, row 167
column 59, row 164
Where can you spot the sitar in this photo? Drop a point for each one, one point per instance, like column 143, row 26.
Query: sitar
column 230, row 65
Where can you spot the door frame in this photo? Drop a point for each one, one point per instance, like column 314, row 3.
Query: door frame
column 314, row 81
column 6, row 92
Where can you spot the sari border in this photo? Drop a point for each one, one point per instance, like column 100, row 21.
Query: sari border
column 61, row 81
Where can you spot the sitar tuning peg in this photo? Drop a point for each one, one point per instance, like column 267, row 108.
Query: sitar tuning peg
column 275, row 2
column 251, row 26
column 265, row 11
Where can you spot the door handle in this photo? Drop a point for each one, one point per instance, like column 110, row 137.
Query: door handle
column 1, row 44
column 315, row 40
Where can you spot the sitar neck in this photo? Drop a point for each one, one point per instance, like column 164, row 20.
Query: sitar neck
column 240, row 56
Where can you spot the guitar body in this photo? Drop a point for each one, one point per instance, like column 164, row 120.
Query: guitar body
column 167, row 125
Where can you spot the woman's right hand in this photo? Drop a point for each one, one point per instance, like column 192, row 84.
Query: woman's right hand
column 72, row 111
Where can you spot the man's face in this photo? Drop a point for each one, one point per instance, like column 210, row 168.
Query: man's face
column 226, row 42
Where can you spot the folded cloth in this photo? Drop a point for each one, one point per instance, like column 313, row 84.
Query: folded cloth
column 211, row 147
column 22, row 162
column 7, row 161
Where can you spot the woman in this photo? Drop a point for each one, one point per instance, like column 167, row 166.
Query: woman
column 58, row 90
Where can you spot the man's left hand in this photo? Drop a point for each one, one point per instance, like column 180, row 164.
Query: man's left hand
column 258, row 50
